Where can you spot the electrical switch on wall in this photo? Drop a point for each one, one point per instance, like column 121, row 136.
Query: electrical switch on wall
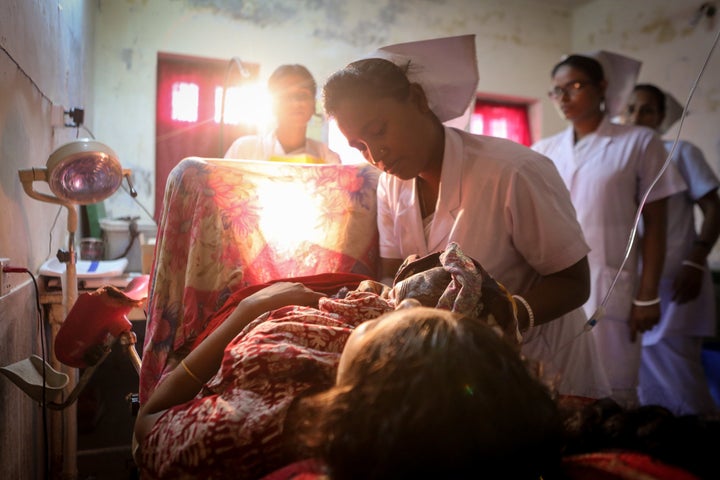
column 7, row 280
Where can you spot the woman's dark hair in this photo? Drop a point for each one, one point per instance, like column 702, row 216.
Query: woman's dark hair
column 657, row 94
column 294, row 70
column 370, row 78
column 591, row 67
column 437, row 397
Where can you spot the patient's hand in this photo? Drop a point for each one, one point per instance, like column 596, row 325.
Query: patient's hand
column 279, row 295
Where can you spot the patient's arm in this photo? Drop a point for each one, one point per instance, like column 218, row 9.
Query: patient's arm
column 204, row 361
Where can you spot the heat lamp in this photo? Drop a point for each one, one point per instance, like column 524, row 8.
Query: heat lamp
column 80, row 172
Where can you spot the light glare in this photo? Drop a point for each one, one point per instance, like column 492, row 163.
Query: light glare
column 185, row 102
column 248, row 104
column 289, row 215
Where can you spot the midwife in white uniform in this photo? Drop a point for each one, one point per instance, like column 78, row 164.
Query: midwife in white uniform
column 504, row 204
column 608, row 168
column 293, row 90
column 671, row 369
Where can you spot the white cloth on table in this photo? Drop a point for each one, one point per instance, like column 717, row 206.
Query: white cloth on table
column 507, row 208
column 608, row 173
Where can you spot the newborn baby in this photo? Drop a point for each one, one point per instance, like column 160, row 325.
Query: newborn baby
column 453, row 281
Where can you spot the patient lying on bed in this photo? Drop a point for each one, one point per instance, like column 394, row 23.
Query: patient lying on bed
column 223, row 411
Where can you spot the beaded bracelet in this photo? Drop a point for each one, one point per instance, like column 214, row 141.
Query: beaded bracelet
column 531, row 315
column 688, row 263
column 646, row 303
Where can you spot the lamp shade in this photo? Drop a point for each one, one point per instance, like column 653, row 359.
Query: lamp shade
column 83, row 172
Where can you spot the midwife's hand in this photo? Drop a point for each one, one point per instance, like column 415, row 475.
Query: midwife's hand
column 643, row 319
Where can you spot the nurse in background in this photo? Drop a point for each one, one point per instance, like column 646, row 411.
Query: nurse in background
column 607, row 169
column 671, row 371
column 293, row 89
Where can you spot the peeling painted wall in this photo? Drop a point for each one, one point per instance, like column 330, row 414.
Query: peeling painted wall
column 672, row 50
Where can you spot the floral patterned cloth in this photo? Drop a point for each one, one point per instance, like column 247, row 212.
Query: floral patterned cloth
column 227, row 224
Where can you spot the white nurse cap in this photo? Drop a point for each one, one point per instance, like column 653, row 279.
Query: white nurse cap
column 621, row 74
column 445, row 67
column 673, row 112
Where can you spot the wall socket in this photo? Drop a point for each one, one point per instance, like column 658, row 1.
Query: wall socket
column 5, row 283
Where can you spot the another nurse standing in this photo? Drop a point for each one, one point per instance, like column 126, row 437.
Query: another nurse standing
column 293, row 89
column 671, row 370
column 504, row 204
column 608, row 169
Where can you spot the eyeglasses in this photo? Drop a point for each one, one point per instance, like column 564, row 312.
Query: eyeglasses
column 570, row 89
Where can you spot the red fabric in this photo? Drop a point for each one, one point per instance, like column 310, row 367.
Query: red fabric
column 592, row 466
column 310, row 469
column 234, row 428
column 96, row 319
column 328, row 283
column 621, row 465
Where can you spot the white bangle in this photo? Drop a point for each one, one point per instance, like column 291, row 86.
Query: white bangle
column 646, row 303
column 531, row 315
column 688, row 263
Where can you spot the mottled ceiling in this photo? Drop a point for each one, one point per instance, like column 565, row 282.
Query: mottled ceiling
column 330, row 14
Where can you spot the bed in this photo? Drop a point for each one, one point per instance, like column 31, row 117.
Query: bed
column 231, row 224
column 215, row 245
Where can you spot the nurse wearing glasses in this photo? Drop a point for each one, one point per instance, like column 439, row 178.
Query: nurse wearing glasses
column 608, row 168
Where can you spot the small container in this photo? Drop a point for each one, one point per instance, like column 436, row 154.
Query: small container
column 92, row 248
column 117, row 234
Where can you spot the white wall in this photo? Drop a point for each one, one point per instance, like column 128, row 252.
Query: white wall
column 517, row 41
column 43, row 62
